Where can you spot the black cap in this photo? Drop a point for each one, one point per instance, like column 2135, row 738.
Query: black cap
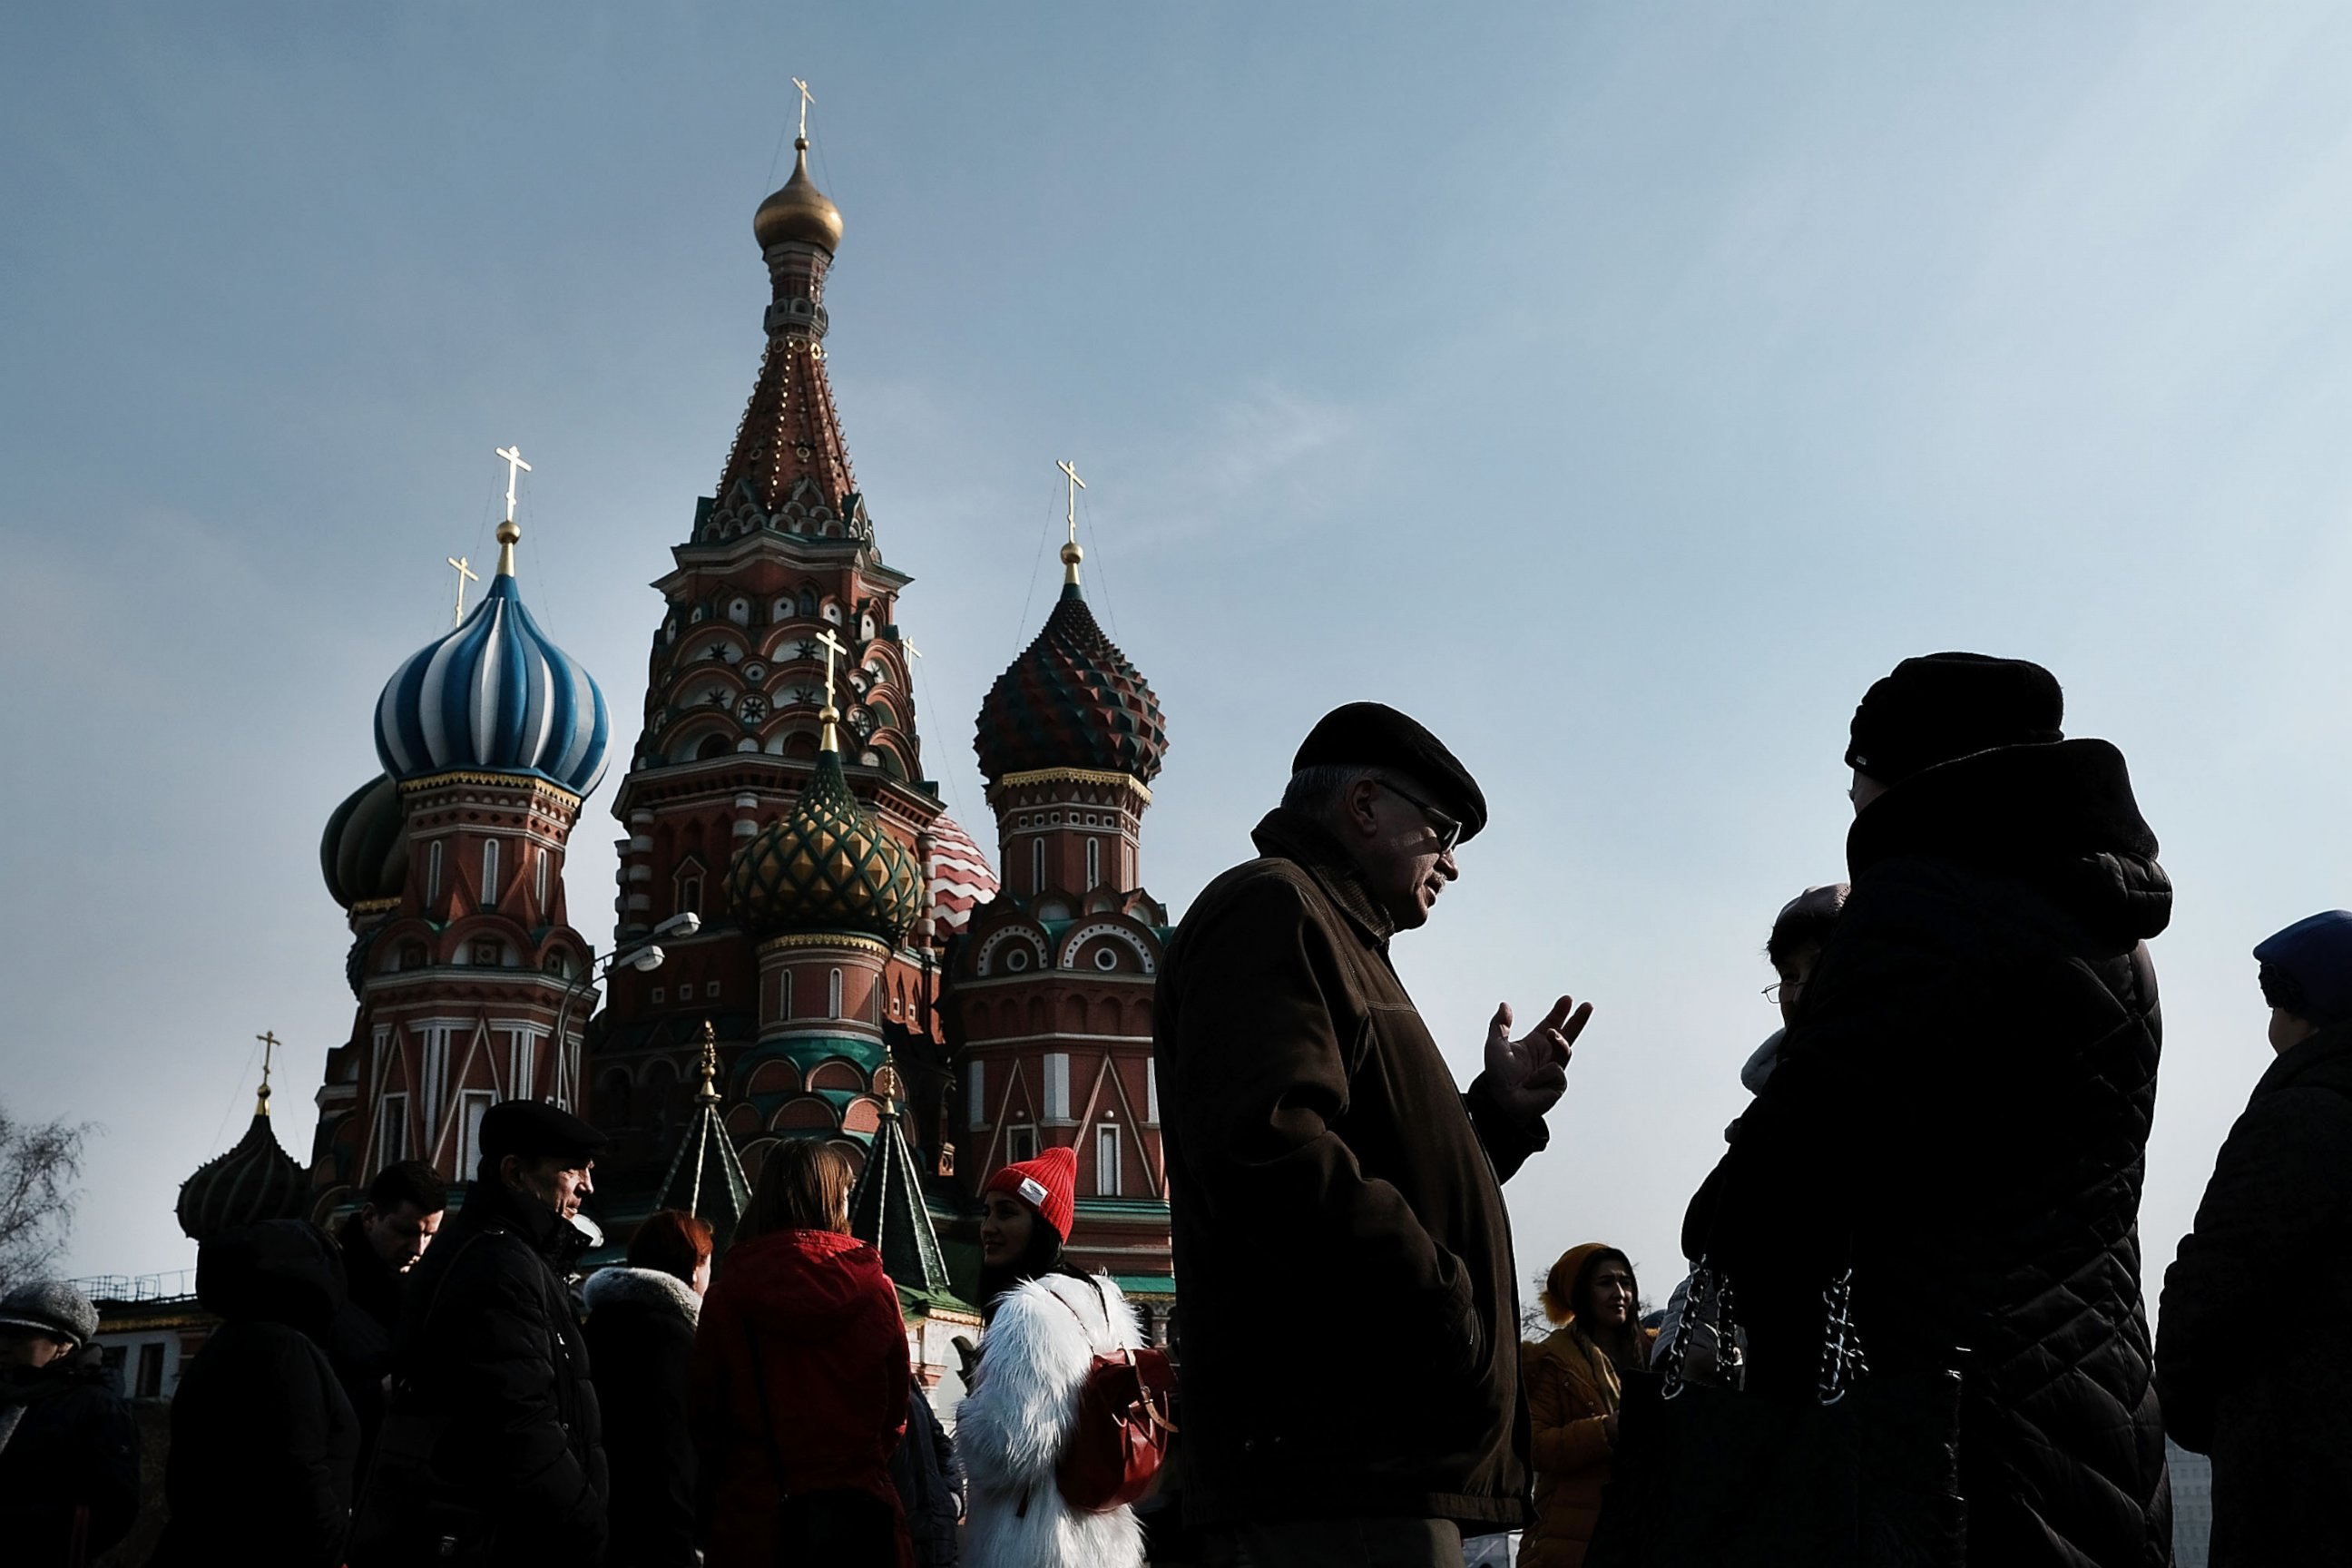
column 1946, row 706
column 534, row 1130
column 1375, row 735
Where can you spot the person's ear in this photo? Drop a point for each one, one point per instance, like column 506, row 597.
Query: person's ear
column 511, row 1169
column 1358, row 810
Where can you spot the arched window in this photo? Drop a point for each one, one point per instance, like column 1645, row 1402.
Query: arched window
column 1036, row 865
column 833, row 994
column 715, row 746
column 489, row 873
column 690, row 895
column 1093, row 863
column 808, row 601
column 738, row 610
column 539, row 881
column 433, row 871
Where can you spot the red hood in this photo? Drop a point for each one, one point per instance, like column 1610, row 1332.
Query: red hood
column 809, row 1282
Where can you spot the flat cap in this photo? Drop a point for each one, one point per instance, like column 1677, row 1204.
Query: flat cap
column 533, row 1129
column 2307, row 968
column 50, row 1307
column 1945, row 706
column 1375, row 735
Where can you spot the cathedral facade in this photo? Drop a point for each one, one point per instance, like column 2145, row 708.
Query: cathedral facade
column 838, row 960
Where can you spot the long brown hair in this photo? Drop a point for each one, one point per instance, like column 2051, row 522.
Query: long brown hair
column 803, row 1186
column 672, row 1242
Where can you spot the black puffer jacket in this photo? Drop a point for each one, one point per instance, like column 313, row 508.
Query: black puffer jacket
column 361, row 1346
column 69, row 1462
column 492, row 1367
column 1964, row 1098
column 930, row 1484
column 2273, row 1236
column 263, row 1438
column 641, row 1334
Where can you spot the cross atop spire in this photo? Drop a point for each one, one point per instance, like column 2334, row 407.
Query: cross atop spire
column 807, row 97
column 507, row 532
column 466, row 573
column 1071, row 554
column 829, row 715
column 269, row 1044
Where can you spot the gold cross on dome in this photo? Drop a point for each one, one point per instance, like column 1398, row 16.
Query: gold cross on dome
column 513, row 454
column 1076, row 484
column 466, row 573
column 831, row 644
column 269, row 1043
column 807, row 97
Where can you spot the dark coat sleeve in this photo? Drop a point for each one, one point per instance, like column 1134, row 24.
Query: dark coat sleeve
column 2271, row 1218
column 1266, row 1077
column 516, row 1450
column 1507, row 1140
column 292, row 1395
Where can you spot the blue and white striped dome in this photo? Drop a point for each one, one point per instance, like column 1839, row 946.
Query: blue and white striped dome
column 495, row 694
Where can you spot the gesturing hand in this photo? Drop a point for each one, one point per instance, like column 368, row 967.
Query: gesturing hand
column 1527, row 1076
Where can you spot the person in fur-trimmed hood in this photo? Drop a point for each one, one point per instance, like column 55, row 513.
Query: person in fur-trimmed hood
column 1574, row 1387
column 640, row 1332
column 1046, row 1323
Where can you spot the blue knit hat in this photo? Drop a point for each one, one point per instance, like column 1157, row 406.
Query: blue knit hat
column 2307, row 968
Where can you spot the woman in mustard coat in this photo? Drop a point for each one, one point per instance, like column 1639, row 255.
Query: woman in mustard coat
column 1574, row 1388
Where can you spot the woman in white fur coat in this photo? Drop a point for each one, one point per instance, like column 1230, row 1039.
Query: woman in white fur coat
column 1045, row 1325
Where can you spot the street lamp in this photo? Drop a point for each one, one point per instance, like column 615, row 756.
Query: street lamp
column 645, row 957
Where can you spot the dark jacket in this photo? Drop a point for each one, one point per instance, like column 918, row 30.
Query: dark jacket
column 641, row 1335
column 69, row 1467
column 491, row 1371
column 930, row 1487
column 2274, row 1238
column 361, row 1346
column 1318, row 1151
column 798, row 1386
column 1960, row 1110
column 263, row 1438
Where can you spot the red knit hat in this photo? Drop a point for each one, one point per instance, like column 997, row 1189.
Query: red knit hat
column 1047, row 1184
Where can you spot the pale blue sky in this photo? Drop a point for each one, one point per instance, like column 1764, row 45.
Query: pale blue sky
column 1619, row 388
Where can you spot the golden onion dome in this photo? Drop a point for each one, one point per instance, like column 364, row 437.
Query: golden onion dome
column 800, row 211
column 827, row 865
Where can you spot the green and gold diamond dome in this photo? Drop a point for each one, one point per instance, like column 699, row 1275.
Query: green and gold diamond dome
column 827, row 865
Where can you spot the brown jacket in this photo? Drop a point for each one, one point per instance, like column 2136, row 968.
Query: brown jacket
column 1572, row 1391
column 1348, row 1308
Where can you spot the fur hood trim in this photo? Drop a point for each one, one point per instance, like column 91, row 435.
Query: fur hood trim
column 1011, row 1431
column 621, row 1286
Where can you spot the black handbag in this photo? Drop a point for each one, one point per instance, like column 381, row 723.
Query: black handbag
column 1864, row 1474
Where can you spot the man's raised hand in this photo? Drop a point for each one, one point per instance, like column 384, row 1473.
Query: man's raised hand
column 1527, row 1076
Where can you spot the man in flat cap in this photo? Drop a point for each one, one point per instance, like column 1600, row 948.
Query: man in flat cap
column 1349, row 1379
column 1958, row 1116
column 492, row 1450
column 2274, row 1236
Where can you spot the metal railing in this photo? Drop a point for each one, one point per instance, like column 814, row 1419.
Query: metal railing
column 177, row 1284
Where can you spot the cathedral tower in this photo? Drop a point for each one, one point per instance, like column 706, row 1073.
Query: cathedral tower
column 1052, row 988
column 742, row 748
column 472, row 985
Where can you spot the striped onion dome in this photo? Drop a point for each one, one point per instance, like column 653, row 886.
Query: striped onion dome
column 1071, row 700
column 961, row 877
column 256, row 1180
column 827, row 865
column 363, row 853
column 495, row 694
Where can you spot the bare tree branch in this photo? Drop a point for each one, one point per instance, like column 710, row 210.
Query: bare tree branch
column 40, row 1176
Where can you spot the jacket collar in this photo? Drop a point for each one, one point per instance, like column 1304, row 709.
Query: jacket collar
column 1293, row 836
column 2327, row 1049
column 491, row 1204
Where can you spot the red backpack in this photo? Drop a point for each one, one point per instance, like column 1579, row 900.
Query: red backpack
column 1120, row 1436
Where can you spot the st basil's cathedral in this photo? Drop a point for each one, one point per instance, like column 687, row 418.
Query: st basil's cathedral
column 836, row 959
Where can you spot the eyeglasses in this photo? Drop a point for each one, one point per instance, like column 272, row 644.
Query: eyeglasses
column 1448, row 831
column 1772, row 992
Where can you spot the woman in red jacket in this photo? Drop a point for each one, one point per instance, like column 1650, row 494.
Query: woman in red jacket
column 798, row 1386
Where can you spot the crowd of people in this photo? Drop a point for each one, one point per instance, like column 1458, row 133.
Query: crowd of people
column 1912, row 1331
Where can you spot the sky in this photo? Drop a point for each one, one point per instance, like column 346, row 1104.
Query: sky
column 1619, row 389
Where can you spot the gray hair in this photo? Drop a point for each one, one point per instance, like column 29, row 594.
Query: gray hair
column 1319, row 791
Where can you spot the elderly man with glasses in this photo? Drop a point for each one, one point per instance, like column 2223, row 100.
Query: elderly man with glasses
column 1350, row 1377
